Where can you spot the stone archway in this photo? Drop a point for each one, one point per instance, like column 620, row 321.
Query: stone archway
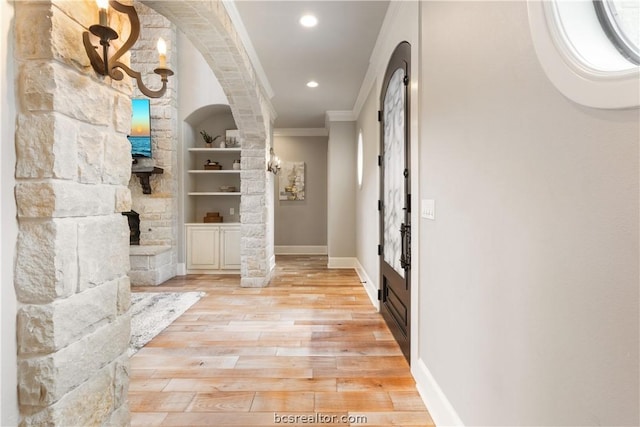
column 209, row 27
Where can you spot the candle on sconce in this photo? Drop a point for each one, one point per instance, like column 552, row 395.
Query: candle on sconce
column 103, row 5
column 162, row 50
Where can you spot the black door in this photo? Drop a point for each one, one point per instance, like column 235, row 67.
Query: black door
column 395, row 206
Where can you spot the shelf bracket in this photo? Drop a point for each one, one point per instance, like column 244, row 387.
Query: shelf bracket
column 144, row 173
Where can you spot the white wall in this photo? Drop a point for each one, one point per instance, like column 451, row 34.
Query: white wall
column 341, row 187
column 198, row 86
column 367, row 218
column 8, row 309
column 303, row 222
column 529, row 274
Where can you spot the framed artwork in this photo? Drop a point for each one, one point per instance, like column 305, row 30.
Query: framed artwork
column 291, row 181
column 140, row 136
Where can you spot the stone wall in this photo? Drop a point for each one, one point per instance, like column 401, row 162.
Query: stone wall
column 158, row 210
column 72, row 171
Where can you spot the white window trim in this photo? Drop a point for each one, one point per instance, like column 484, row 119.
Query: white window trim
column 570, row 74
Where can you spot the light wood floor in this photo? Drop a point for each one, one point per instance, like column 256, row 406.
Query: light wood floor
column 309, row 343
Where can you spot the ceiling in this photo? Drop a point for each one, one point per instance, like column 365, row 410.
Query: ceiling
column 335, row 53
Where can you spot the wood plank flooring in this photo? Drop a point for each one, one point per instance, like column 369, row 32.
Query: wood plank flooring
column 310, row 345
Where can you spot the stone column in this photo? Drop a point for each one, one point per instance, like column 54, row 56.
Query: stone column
column 158, row 210
column 72, row 252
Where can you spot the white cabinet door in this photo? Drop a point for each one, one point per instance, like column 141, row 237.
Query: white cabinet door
column 203, row 248
column 230, row 248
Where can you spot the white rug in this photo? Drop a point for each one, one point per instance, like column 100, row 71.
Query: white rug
column 152, row 312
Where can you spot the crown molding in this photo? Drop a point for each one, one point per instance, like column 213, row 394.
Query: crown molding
column 300, row 132
column 340, row 116
column 376, row 60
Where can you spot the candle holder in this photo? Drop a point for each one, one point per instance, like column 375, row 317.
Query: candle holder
column 112, row 67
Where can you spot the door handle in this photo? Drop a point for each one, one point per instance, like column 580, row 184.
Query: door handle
column 405, row 255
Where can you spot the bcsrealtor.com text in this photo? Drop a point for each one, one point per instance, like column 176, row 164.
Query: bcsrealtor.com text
column 318, row 418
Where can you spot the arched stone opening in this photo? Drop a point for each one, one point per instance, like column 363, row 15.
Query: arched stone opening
column 208, row 26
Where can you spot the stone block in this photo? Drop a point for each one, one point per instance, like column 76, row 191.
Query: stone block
column 103, row 250
column 253, row 218
column 46, row 261
column 253, row 230
column 124, row 295
column 252, row 203
column 66, row 42
column 90, row 404
column 33, row 30
column 123, row 199
column 250, row 163
column 122, row 114
column 253, row 282
column 254, row 187
column 55, row 198
column 51, row 86
column 50, row 327
column 85, row 12
column 121, row 380
column 45, row 380
column 121, row 417
column 45, row 146
column 143, row 278
column 117, row 165
column 139, row 262
column 91, row 141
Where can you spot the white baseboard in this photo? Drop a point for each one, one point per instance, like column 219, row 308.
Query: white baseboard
column 437, row 404
column 300, row 250
column 181, row 269
column 272, row 264
column 342, row 262
column 369, row 285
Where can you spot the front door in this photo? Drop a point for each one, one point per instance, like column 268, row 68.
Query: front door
column 395, row 198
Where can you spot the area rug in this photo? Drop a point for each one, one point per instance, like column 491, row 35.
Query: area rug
column 152, row 312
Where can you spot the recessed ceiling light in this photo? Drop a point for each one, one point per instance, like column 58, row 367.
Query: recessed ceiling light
column 312, row 83
column 308, row 21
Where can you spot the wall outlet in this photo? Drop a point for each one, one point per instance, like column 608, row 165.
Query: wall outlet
column 232, row 211
column 428, row 209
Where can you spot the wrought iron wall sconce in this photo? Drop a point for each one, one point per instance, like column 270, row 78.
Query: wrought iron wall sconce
column 111, row 66
column 274, row 162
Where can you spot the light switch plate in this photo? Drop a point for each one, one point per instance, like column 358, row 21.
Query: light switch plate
column 232, row 211
column 428, row 209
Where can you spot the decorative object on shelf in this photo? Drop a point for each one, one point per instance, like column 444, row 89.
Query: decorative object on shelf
column 274, row 162
column 227, row 188
column 232, row 138
column 212, row 166
column 236, row 164
column 208, row 139
column 106, row 65
column 212, row 217
column 292, row 181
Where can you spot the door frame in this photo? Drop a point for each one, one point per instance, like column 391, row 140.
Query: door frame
column 401, row 55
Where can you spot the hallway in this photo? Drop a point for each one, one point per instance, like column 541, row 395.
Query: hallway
column 309, row 343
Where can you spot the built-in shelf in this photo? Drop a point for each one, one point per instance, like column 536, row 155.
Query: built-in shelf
column 213, row 171
column 218, row 193
column 216, row 150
